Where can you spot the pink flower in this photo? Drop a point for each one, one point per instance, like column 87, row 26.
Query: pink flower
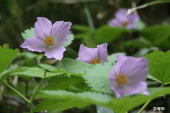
column 123, row 20
column 93, row 55
column 128, row 76
column 50, row 38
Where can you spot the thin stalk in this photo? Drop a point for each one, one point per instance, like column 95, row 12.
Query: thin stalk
column 16, row 91
column 90, row 40
column 35, row 92
column 147, row 5
column 144, row 106
column 89, row 17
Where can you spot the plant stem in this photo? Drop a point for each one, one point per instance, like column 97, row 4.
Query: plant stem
column 89, row 18
column 16, row 91
column 144, row 106
column 35, row 92
column 148, row 4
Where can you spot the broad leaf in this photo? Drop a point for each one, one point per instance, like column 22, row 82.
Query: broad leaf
column 62, row 100
column 159, row 66
column 6, row 57
column 69, row 83
column 157, row 35
column 74, row 66
column 36, row 72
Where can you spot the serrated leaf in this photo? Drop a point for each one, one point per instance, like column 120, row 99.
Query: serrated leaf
column 70, row 40
column 6, row 57
column 36, row 72
column 74, row 66
column 28, row 33
column 97, row 77
column 159, row 66
column 62, row 100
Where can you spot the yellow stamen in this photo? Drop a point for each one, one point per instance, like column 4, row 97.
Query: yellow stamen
column 49, row 41
column 125, row 24
column 95, row 61
column 121, row 79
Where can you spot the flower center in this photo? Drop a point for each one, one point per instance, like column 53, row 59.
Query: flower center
column 49, row 41
column 95, row 61
column 125, row 24
column 121, row 79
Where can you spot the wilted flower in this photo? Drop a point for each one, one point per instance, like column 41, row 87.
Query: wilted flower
column 49, row 38
column 93, row 55
column 128, row 76
column 122, row 19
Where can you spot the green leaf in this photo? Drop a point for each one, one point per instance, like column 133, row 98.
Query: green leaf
column 157, row 35
column 70, row 40
column 74, row 66
column 159, row 66
column 28, row 33
column 62, row 100
column 69, row 83
column 36, row 72
column 48, row 67
column 6, row 57
column 107, row 34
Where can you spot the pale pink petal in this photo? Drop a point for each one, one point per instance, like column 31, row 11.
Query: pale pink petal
column 56, row 52
column 34, row 44
column 87, row 54
column 102, row 52
column 60, row 31
column 136, row 88
column 43, row 27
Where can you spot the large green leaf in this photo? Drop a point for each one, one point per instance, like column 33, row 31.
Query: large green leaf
column 36, row 72
column 69, row 83
column 6, row 57
column 74, row 66
column 159, row 66
column 62, row 100
column 157, row 35
column 107, row 34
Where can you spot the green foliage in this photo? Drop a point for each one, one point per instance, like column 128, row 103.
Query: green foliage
column 36, row 72
column 159, row 66
column 74, row 66
column 28, row 33
column 97, row 77
column 157, row 35
column 6, row 57
column 107, row 34
column 69, row 83
column 62, row 100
